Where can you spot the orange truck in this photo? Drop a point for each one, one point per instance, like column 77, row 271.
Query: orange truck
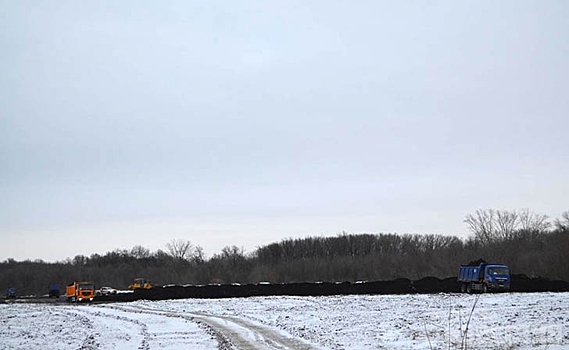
column 80, row 291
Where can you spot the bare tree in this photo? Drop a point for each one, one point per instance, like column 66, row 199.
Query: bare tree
column 180, row 249
column 530, row 221
column 140, row 252
column 563, row 223
column 507, row 223
column 482, row 224
column 198, row 255
column 80, row 260
column 233, row 254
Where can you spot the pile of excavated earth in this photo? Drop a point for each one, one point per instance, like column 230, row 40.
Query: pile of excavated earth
column 519, row 283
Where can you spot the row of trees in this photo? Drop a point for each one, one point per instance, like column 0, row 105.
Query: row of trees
column 489, row 224
column 524, row 240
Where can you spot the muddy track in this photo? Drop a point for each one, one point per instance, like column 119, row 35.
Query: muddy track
column 233, row 332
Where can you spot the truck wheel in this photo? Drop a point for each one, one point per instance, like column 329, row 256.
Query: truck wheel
column 469, row 288
column 484, row 288
column 463, row 288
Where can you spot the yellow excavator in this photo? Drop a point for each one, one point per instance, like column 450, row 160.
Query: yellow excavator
column 140, row 283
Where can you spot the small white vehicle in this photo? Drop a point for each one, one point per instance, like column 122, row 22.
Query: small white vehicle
column 107, row 291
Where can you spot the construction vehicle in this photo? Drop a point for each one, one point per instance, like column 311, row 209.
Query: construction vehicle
column 104, row 291
column 140, row 283
column 80, row 291
column 54, row 290
column 11, row 293
column 484, row 277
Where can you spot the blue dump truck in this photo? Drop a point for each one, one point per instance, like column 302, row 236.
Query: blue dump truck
column 54, row 290
column 484, row 278
column 11, row 293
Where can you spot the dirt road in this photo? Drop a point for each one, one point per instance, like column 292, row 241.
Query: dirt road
column 232, row 332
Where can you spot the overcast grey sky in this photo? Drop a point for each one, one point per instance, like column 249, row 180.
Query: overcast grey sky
column 246, row 122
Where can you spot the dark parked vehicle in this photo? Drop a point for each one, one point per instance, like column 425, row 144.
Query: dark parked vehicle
column 54, row 291
column 11, row 293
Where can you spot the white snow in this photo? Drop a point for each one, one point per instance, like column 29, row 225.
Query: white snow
column 49, row 326
column 438, row 321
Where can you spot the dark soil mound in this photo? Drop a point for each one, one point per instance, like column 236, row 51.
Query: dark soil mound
column 519, row 283
column 436, row 285
column 427, row 285
column 522, row 283
column 476, row 262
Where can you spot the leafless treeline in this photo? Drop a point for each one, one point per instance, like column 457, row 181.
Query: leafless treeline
column 489, row 225
column 527, row 242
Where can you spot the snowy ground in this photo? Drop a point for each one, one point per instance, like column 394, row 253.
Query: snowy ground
column 499, row 321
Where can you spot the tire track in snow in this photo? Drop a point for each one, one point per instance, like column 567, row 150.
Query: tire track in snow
column 239, row 333
column 86, row 323
column 223, row 344
column 90, row 341
column 246, row 335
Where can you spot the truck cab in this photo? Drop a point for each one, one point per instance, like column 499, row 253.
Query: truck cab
column 484, row 278
column 497, row 277
column 80, row 291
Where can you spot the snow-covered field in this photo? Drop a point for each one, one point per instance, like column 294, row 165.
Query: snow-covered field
column 499, row 321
